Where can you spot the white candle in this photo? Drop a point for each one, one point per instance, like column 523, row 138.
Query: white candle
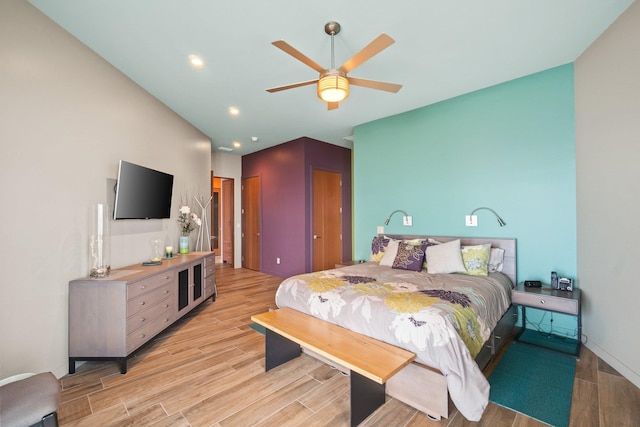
column 99, row 241
column 100, row 219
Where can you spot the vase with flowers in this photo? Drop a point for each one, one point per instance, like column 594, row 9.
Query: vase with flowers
column 188, row 221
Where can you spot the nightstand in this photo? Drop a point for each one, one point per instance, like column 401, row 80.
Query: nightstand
column 346, row 263
column 549, row 299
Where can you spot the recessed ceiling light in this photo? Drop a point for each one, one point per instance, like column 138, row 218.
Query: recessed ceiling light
column 237, row 144
column 196, row 61
column 254, row 138
column 234, row 111
column 225, row 149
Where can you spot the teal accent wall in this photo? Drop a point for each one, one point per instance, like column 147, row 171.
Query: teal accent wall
column 510, row 147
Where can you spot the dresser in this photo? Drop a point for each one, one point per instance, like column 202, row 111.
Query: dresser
column 111, row 318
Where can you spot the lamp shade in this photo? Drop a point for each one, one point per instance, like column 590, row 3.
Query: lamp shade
column 333, row 88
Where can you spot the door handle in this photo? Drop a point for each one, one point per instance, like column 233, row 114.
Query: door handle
column 315, row 236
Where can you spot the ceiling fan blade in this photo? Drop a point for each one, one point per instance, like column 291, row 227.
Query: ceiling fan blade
column 283, row 45
column 332, row 105
column 374, row 84
column 380, row 43
column 291, row 86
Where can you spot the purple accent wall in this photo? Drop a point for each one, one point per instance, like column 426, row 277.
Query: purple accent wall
column 286, row 173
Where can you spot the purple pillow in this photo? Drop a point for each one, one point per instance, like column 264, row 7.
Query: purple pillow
column 378, row 246
column 409, row 257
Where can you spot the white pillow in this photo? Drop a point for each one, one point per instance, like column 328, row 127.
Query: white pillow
column 496, row 259
column 445, row 258
column 390, row 253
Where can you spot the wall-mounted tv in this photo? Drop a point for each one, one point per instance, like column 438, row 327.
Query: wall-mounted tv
column 142, row 193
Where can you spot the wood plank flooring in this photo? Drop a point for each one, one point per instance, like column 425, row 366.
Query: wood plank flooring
column 208, row 370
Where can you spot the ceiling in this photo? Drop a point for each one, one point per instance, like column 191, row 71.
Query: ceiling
column 443, row 48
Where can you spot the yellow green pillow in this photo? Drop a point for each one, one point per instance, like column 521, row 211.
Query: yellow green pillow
column 476, row 259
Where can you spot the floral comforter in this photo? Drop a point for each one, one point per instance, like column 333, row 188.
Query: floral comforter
column 443, row 318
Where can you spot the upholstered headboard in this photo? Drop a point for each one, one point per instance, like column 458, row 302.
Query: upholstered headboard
column 509, row 246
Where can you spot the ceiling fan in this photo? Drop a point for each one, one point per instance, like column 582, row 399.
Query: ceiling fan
column 333, row 83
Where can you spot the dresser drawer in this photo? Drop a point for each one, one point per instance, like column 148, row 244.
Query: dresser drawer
column 208, row 292
column 546, row 302
column 137, row 288
column 209, row 266
column 209, row 271
column 145, row 301
column 210, row 282
column 151, row 329
column 209, row 286
column 147, row 316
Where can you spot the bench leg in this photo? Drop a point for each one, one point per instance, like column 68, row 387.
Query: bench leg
column 366, row 397
column 279, row 350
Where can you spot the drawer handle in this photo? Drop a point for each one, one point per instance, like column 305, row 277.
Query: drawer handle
column 166, row 291
column 541, row 301
column 143, row 336
column 166, row 320
column 142, row 287
column 166, row 306
column 142, row 303
column 142, row 319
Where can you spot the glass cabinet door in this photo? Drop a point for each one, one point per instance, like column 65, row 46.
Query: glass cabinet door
column 197, row 282
column 183, row 289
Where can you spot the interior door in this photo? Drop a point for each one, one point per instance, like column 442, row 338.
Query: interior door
column 327, row 219
column 215, row 215
column 227, row 220
column 251, row 223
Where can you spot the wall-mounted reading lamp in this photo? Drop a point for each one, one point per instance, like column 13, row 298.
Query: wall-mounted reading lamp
column 472, row 220
column 394, row 212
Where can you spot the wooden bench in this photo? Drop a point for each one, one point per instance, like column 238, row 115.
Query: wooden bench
column 370, row 361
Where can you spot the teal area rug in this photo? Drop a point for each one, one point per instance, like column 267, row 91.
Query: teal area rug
column 535, row 382
column 257, row 328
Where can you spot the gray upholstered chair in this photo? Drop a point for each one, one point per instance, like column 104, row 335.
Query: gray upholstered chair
column 29, row 400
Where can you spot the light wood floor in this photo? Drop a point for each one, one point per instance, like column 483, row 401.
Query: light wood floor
column 208, row 370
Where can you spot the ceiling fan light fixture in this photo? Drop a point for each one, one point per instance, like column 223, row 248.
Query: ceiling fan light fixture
column 333, row 88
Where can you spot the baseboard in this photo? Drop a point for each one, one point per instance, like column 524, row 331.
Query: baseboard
column 612, row 361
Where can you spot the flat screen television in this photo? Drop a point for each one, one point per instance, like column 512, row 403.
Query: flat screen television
column 142, row 193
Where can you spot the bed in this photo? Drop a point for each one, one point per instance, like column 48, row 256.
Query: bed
column 453, row 318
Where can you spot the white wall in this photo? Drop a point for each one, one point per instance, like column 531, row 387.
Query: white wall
column 230, row 166
column 607, row 87
column 66, row 118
